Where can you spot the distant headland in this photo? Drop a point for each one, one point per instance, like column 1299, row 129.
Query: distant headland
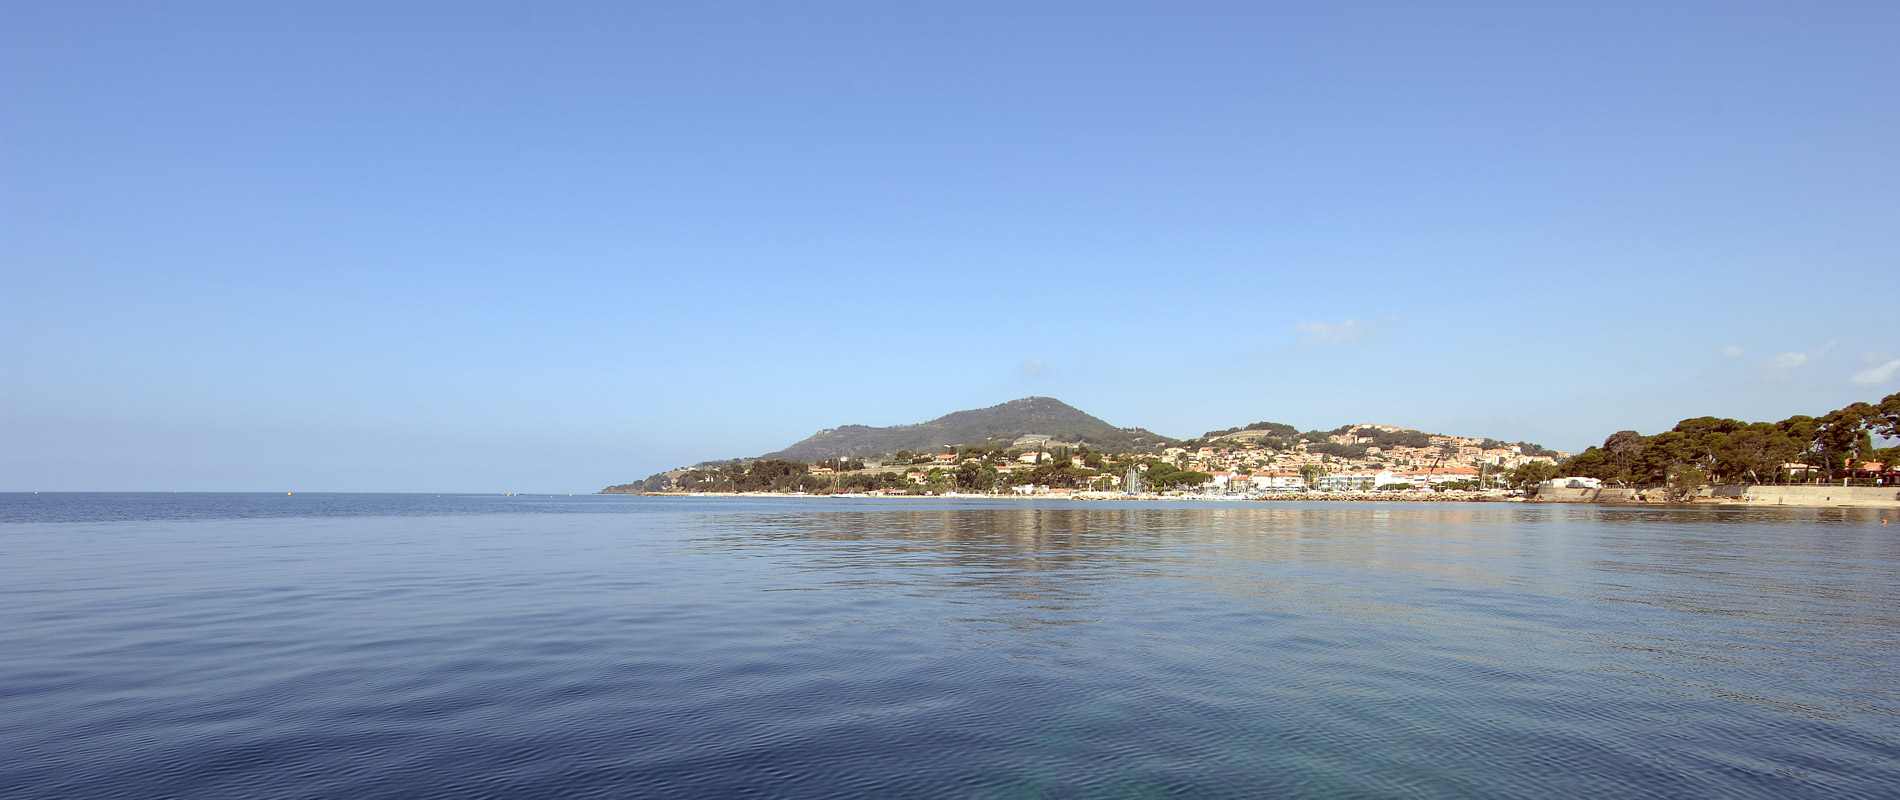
column 1041, row 446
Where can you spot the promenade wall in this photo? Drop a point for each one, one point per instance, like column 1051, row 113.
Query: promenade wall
column 1765, row 494
column 1874, row 496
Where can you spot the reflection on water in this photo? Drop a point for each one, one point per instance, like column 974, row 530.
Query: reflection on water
column 1789, row 613
column 242, row 646
column 1753, row 563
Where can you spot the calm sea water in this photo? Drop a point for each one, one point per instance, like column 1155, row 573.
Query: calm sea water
column 366, row 646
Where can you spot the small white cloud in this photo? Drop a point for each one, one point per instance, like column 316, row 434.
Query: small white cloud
column 1788, row 361
column 1032, row 368
column 1733, row 351
column 1874, row 358
column 1318, row 333
column 1877, row 375
column 1781, row 367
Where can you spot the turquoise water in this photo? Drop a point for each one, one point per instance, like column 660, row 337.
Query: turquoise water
column 355, row 646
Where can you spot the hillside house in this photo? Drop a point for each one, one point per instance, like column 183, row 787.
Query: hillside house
column 1276, row 480
column 1356, row 481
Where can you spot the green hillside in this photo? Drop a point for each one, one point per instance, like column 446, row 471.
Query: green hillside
column 996, row 425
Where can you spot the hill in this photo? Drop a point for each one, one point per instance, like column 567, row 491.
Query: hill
column 996, row 425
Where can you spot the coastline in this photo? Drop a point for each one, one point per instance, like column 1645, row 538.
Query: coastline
column 1722, row 497
column 1403, row 497
column 1747, row 496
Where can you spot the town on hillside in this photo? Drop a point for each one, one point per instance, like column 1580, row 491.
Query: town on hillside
column 1857, row 445
column 1261, row 459
column 1355, row 458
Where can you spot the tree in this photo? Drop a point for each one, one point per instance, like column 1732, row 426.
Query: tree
column 975, row 477
column 1593, row 462
column 1757, row 450
column 981, row 452
column 1843, row 437
column 1338, row 450
column 1659, row 453
column 1390, row 439
column 1530, row 474
column 1179, row 479
column 1275, row 428
column 1684, row 481
column 1624, row 448
column 939, row 481
column 1801, row 430
column 1886, row 417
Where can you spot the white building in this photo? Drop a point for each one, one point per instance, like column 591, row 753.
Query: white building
column 1573, row 483
column 1356, row 481
column 1277, row 480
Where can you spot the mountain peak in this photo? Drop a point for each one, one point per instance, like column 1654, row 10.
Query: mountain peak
column 999, row 424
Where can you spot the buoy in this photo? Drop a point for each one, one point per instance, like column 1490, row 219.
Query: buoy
column 286, row 494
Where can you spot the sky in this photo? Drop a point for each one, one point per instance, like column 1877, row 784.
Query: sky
column 551, row 247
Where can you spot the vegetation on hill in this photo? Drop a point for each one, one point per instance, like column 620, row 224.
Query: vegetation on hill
column 976, row 451
column 1279, row 436
column 997, row 425
column 1710, row 450
column 1270, row 428
column 1337, row 450
column 991, row 449
column 975, row 469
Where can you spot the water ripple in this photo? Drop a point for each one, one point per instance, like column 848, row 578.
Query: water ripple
column 391, row 646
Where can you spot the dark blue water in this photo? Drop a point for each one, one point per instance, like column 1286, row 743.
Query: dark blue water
column 365, row 646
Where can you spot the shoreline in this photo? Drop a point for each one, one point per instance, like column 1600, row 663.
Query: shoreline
column 1809, row 495
column 1419, row 497
column 1732, row 502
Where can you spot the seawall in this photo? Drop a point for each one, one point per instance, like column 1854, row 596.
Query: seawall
column 1763, row 494
column 1875, row 496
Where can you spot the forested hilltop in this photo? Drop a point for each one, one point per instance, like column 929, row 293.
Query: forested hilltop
column 1836, row 446
column 1000, row 425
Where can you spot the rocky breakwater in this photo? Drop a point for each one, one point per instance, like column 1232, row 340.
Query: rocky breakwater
column 1607, row 494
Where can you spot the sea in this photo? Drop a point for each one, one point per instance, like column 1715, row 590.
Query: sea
column 483, row 646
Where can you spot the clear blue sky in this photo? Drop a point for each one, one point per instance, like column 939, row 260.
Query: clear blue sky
column 549, row 247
